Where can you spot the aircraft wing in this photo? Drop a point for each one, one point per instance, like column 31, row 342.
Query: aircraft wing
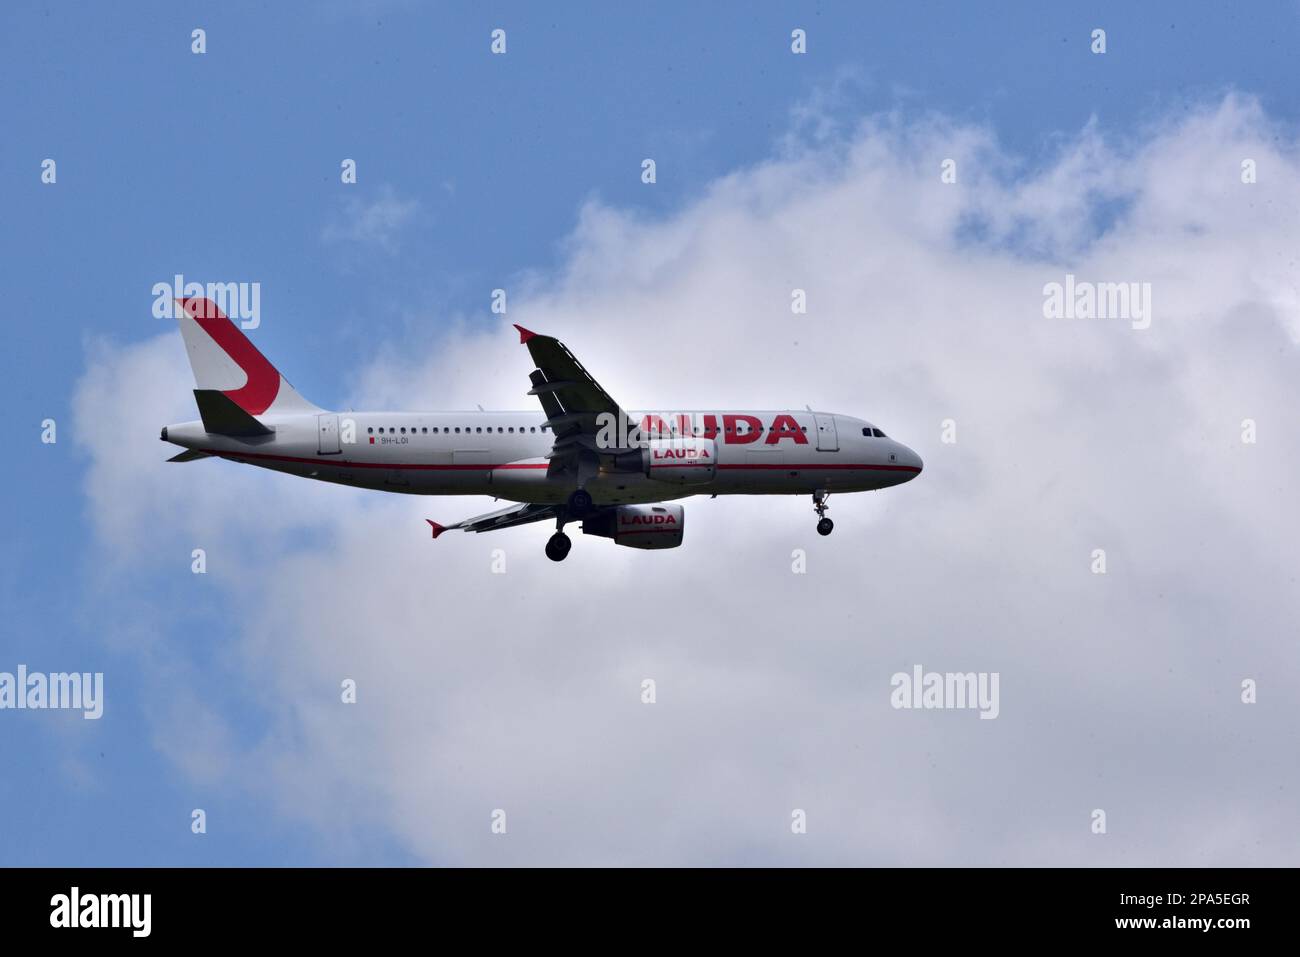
column 505, row 518
column 576, row 406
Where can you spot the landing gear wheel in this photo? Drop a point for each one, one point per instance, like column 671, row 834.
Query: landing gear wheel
column 824, row 526
column 579, row 503
column 558, row 547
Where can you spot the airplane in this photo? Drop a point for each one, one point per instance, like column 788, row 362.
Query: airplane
column 579, row 458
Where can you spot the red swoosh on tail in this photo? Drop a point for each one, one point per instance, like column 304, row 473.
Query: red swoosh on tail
column 257, row 394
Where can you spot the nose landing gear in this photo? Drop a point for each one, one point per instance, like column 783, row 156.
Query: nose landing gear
column 824, row 525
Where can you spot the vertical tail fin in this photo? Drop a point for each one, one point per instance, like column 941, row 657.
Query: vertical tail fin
column 224, row 360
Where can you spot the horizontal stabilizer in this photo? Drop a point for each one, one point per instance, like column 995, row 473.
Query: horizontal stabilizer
column 222, row 415
column 190, row 455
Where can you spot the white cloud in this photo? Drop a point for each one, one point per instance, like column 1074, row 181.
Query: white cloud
column 371, row 222
column 520, row 691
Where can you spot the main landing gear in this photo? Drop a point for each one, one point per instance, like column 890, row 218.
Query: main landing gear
column 578, row 506
column 824, row 525
column 557, row 547
column 579, row 503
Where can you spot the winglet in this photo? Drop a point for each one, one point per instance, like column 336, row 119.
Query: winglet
column 437, row 529
column 524, row 334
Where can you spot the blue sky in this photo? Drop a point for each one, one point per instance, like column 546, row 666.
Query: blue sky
column 226, row 165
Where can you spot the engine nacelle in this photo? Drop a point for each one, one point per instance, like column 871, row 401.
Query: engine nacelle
column 639, row 526
column 680, row 461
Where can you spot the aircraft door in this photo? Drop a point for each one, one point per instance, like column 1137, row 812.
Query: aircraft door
column 327, row 432
column 828, row 439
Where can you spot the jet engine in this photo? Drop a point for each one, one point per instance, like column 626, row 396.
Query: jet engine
column 639, row 526
column 680, row 461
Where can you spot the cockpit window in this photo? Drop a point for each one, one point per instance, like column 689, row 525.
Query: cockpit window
column 878, row 434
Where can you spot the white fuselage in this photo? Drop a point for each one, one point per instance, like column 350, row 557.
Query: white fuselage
column 503, row 454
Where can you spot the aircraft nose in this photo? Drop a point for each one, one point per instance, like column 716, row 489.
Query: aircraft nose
column 912, row 459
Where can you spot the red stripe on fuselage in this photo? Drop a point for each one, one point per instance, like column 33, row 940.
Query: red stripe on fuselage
column 335, row 463
column 813, row 467
column 353, row 464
